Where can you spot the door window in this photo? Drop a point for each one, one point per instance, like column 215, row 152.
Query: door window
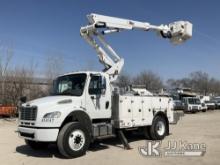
column 97, row 85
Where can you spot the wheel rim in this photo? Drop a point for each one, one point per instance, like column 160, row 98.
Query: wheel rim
column 76, row 140
column 160, row 128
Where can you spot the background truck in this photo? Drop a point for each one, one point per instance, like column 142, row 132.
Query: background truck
column 8, row 111
column 86, row 106
column 210, row 105
column 216, row 100
column 193, row 104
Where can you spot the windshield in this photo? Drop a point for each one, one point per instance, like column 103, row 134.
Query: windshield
column 194, row 101
column 69, row 85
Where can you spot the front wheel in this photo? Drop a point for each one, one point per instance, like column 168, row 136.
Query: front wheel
column 159, row 128
column 73, row 140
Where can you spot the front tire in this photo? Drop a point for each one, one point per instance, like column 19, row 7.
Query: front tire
column 159, row 128
column 73, row 140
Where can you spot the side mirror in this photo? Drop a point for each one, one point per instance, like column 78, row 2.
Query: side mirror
column 23, row 99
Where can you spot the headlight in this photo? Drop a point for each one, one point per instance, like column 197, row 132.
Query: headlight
column 55, row 114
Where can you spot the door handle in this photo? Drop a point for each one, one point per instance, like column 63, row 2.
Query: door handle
column 92, row 97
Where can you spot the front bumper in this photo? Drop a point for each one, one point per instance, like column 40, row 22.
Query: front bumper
column 39, row 134
column 193, row 109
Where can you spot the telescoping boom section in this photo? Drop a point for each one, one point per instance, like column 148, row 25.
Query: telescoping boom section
column 100, row 25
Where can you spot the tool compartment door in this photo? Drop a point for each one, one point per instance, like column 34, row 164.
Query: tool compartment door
column 136, row 105
column 125, row 111
column 147, row 110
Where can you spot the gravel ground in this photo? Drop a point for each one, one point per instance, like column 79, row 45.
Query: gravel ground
column 193, row 128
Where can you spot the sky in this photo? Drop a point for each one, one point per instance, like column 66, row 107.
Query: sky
column 36, row 29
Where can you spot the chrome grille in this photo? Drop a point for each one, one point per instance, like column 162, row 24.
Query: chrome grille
column 195, row 107
column 28, row 113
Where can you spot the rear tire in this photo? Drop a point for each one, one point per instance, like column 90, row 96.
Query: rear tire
column 159, row 128
column 36, row 145
column 73, row 140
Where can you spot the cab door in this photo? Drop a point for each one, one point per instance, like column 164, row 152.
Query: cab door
column 98, row 99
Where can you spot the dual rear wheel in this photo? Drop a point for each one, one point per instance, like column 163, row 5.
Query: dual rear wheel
column 158, row 130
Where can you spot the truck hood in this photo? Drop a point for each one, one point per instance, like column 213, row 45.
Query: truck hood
column 63, row 104
column 50, row 100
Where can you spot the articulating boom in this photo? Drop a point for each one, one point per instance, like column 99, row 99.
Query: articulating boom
column 99, row 25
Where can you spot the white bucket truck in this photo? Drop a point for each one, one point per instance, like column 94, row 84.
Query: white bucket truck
column 86, row 105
